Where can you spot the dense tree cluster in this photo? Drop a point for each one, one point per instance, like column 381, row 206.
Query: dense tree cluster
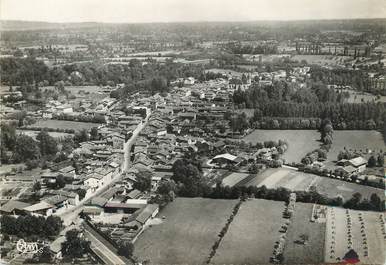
column 153, row 77
column 188, row 177
column 362, row 116
column 126, row 249
column 143, row 181
column 18, row 148
column 75, row 246
column 282, row 106
column 30, row 225
column 359, row 80
column 374, row 204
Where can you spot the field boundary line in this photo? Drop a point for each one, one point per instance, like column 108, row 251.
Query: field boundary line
column 224, row 230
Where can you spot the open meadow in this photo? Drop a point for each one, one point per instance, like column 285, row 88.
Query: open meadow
column 356, row 140
column 252, row 234
column 312, row 251
column 61, row 124
column 299, row 181
column 189, row 230
column 300, row 142
column 33, row 134
column 330, row 60
column 76, row 89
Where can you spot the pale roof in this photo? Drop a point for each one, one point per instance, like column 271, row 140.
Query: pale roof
column 11, row 205
column 358, row 161
column 39, row 206
column 226, row 156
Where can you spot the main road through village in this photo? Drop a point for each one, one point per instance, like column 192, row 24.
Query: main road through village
column 71, row 214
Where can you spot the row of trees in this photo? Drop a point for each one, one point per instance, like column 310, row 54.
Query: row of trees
column 289, row 92
column 29, row 225
column 80, row 118
column 364, row 116
column 191, row 183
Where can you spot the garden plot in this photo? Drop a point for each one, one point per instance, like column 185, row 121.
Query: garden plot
column 364, row 232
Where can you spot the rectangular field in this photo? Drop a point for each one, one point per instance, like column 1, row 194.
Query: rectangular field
column 364, row 232
column 356, row 140
column 234, row 178
column 60, row 124
column 189, row 230
column 299, row 181
column 252, row 234
column 312, row 251
column 300, row 142
column 33, row 134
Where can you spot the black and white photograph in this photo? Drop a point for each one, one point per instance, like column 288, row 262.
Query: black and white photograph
column 189, row 132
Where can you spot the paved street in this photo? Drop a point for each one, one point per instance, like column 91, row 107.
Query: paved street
column 70, row 214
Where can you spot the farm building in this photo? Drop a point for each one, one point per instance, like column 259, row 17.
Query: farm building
column 14, row 207
column 345, row 171
column 227, row 159
column 358, row 162
column 112, row 207
column 150, row 211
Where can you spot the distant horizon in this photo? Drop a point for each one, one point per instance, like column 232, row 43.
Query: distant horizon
column 189, row 11
column 193, row 21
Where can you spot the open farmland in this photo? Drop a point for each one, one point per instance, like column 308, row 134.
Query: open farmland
column 358, row 97
column 300, row 142
column 60, row 124
column 33, row 134
column 190, row 228
column 76, row 89
column 359, row 140
column 312, row 251
column 234, row 178
column 364, row 232
column 252, row 234
column 322, row 59
column 300, row 181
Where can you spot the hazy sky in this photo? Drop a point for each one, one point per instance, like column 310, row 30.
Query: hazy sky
column 188, row 10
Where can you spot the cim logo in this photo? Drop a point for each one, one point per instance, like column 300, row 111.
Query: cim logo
column 29, row 247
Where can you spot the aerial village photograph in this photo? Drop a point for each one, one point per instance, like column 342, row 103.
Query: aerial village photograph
column 188, row 132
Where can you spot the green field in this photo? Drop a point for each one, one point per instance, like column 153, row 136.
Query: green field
column 76, row 89
column 189, row 230
column 311, row 252
column 299, row 181
column 300, row 142
column 356, row 140
column 34, row 133
column 356, row 97
column 60, row 124
column 252, row 234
